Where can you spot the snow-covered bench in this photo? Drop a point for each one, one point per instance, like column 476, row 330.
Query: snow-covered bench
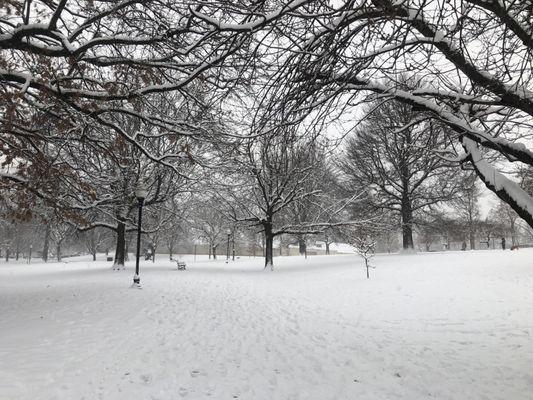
column 181, row 264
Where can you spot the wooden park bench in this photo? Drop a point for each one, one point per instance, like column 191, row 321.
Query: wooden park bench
column 181, row 265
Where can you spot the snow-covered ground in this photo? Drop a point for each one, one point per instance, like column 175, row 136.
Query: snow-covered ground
column 455, row 325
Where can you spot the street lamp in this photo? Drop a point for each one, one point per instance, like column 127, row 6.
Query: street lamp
column 141, row 192
column 227, row 248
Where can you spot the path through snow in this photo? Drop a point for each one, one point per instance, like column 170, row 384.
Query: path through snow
column 445, row 326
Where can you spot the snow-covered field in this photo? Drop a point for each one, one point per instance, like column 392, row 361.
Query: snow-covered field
column 455, row 325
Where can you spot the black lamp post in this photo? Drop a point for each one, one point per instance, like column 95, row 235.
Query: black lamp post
column 227, row 248
column 140, row 193
column 233, row 246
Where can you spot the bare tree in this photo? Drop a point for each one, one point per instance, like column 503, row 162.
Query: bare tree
column 392, row 156
column 466, row 204
column 505, row 219
column 472, row 57
column 273, row 175
column 94, row 239
column 209, row 222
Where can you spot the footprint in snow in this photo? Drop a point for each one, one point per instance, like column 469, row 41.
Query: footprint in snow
column 146, row 379
column 195, row 373
column 183, row 392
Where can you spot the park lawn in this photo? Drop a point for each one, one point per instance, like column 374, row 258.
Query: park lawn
column 455, row 325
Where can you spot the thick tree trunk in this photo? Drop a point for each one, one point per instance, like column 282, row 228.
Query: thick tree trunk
column 302, row 247
column 407, row 223
column 46, row 242
column 120, row 249
column 269, row 246
column 472, row 240
column 58, row 251
column 214, row 252
column 93, row 244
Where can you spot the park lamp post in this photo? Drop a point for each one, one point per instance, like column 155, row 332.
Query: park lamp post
column 141, row 192
column 227, row 248
column 233, row 246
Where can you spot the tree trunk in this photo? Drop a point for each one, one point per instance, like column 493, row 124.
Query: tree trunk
column 170, row 251
column 472, row 240
column 7, row 254
column 46, row 242
column 302, row 247
column 269, row 246
column 17, row 243
column 407, row 223
column 214, row 252
column 93, row 244
column 58, row 251
column 120, row 249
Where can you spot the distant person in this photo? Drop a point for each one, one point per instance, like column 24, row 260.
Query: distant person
column 503, row 243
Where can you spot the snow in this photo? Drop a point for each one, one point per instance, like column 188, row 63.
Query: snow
column 439, row 36
column 250, row 26
column 453, row 325
column 497, row 179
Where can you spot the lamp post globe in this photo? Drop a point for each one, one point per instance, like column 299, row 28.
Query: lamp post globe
column 141, row 192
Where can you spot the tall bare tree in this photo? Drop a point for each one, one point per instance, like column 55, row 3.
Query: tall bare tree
column 392, row 156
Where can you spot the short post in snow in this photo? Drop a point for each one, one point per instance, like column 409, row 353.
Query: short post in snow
column 141, row 194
